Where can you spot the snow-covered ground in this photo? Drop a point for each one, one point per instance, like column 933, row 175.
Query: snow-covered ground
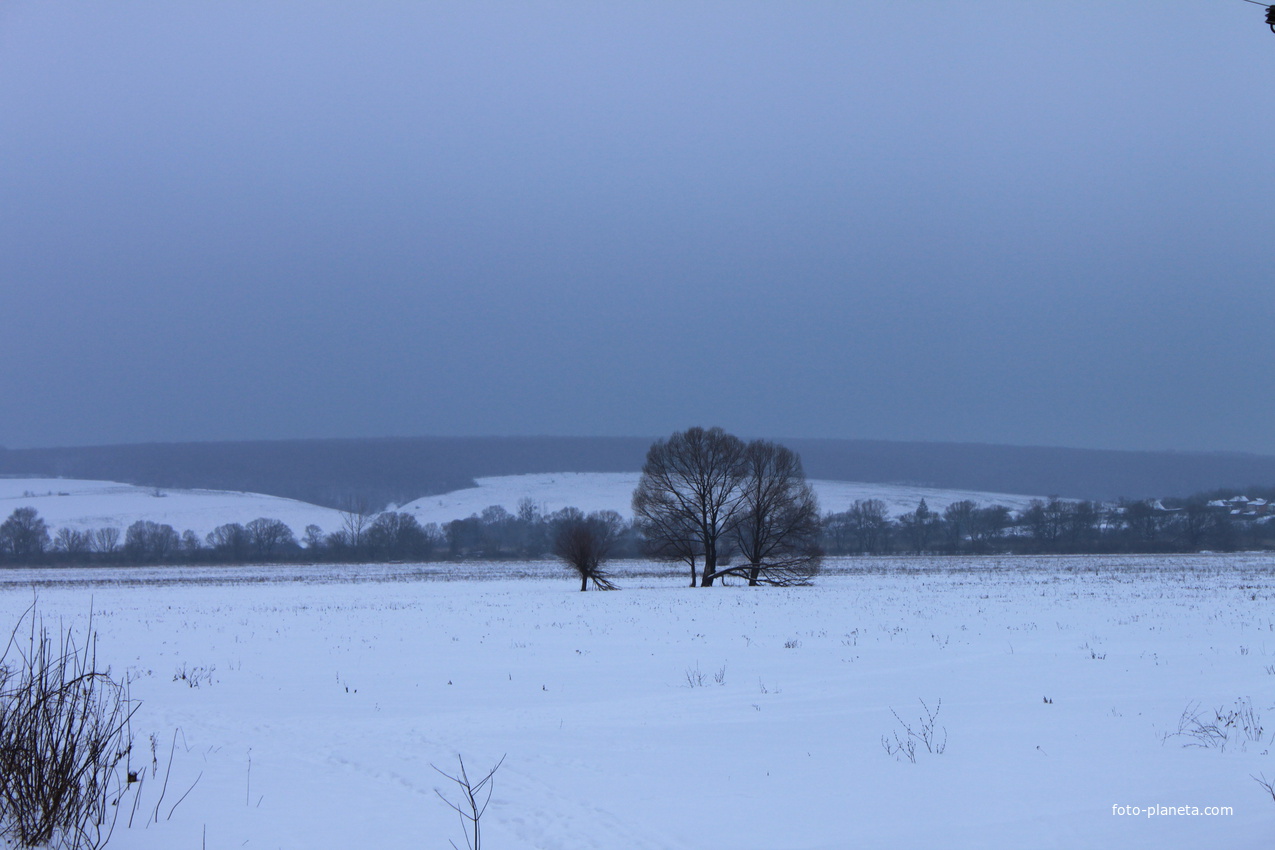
column 593, row 491
column 76, row 504
column 314, row 701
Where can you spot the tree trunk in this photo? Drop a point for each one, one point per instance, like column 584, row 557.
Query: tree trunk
column 584, row 582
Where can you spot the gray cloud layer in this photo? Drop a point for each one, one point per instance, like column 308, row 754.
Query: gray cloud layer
column 1042, row 223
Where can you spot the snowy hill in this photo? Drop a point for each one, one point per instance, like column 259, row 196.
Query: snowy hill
column 83, row 505
column 593, row 491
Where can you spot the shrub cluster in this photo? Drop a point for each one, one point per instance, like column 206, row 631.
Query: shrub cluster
column 64, row 734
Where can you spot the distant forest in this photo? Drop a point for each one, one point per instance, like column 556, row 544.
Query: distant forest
column 377, row 472
column 962, row 528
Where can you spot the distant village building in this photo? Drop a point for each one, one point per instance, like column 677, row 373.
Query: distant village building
column 1243, row 506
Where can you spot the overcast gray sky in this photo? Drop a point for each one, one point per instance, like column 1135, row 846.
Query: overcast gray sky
column 1024, row 222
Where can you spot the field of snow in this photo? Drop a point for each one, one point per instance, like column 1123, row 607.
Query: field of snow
column 308, row 704
column 594, row 491
column 80, row 505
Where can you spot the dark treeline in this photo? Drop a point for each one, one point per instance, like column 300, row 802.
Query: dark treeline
column 495, row 534
column 336, row 473
column 1055, row 526
column 1213, row 522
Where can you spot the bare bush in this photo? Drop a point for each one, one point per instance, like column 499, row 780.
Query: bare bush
column 925, row 732
column 1239, row 724
column 695, row 677
column 63, row 736
column 904, row 746
column 473, row 801
column 585, row 543
column 1267, row 784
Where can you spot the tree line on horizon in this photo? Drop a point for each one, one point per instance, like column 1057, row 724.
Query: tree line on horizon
column 865, row 528
column 719, row 506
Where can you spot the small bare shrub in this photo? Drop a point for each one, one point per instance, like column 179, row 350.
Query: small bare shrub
column 470, row 809
column 1267, row 784
column 904, row 746
column 63, row 736
column 1240, row 724
column 195, row 676
column 926, row 733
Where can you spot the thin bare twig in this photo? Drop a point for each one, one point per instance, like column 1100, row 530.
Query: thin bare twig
column 472, row 810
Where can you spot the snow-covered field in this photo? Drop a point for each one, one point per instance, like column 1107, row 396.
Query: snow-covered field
column 315, row 700
column 595, row 491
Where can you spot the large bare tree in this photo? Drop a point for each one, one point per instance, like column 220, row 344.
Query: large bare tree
column 230, row 540
column 268, row 535
column 106, row 540
column 356, row 518
column 668, row 534
column 777, row 530
column 24, row 534
column 690, row 495
column 72, row 541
